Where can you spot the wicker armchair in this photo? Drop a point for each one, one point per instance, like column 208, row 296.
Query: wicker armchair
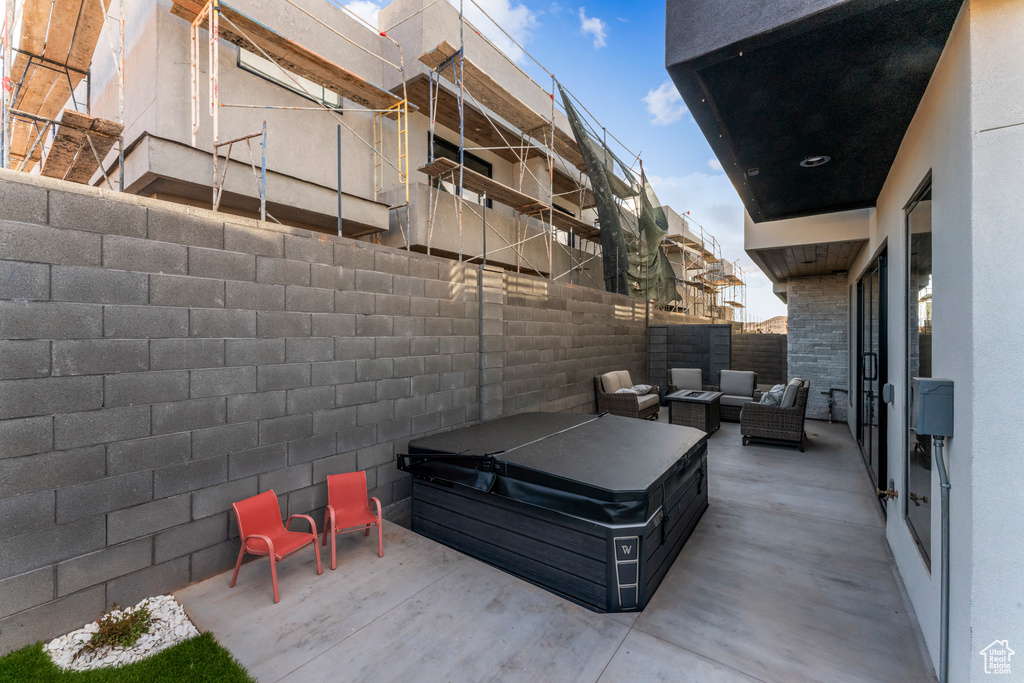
column 687, row 378
column 738, row 387
column 775, row 424
column 627, row 405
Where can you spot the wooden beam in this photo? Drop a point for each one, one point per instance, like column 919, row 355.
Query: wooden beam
column 293, row 57
column 70, row 157
column 503, row 194
column 500, row 140
column 491, row 94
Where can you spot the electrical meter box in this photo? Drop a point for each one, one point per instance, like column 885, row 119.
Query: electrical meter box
column 931, row 408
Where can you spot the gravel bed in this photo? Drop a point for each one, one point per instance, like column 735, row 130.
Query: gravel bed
column 169, row 626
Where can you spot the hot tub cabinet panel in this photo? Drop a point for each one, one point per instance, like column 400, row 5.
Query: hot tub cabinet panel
column 567, row 528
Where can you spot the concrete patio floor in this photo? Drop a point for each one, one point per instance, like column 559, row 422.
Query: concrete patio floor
column 787, row 578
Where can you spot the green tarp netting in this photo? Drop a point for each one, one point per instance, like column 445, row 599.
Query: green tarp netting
column 633, row 223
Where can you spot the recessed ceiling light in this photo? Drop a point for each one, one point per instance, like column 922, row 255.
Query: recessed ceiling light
column 817, row 160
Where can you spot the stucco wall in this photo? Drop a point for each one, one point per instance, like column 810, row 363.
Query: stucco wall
column 967, row 134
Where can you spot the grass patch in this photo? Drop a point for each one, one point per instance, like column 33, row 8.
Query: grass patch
column 197, row 660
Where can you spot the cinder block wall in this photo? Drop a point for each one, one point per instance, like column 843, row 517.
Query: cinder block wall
column 765, row 354
column 689, row 346
column 818, row 344
column 158, row 363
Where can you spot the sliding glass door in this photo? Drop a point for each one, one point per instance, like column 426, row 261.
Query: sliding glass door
column 872, row 369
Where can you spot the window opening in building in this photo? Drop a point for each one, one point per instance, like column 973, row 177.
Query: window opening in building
column 447, row 150
column 255, row 64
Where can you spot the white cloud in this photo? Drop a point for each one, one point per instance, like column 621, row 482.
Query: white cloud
column 664, row 104
column 516, row 18
column 593, row 26
column 365, row 10
column 714, row 164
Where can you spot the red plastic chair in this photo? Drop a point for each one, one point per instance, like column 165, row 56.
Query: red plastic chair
column 348, row 510
column 259, row 525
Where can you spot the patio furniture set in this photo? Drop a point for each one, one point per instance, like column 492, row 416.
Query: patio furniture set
column 263, row 533
column 733, row 398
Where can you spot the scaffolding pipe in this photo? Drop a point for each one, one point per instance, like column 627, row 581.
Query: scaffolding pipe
column 339, row 179
column 263, row 174
column 5, row 84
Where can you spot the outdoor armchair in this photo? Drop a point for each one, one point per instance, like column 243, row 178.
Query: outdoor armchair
column 686, row 378
column 644, row 407
column 783, row 423
column 738, row 387
column 262, row 533
column 348, row 510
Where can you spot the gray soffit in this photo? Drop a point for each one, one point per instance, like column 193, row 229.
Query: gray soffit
column 782, row 263
column 772, row 83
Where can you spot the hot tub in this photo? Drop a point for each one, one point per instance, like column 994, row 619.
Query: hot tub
column 592, row 508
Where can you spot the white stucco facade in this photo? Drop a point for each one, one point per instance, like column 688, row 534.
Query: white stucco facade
column 968, row 135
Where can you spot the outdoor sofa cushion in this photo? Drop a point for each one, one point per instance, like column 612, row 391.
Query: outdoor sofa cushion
column 613, row 381
column 728, row 400
column 789, row 396
column 736, row 383
column 647, row 400
column 687, row 378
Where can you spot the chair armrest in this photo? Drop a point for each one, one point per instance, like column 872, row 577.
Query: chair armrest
column 710, row 387
column 330, row 517
column 376, row 502
column 260, row 537
column 757, row 396
column 309, row 519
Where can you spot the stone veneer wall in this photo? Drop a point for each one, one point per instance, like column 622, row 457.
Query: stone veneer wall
column 818, row 339
column 159, row 362
column 765, row 354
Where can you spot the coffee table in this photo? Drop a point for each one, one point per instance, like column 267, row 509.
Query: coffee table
column 691, row 408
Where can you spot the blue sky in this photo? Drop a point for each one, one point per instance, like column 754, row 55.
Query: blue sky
column 611, row 56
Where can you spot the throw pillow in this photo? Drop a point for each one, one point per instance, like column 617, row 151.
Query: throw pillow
column 626, row 390
column 773, row 396
column 642, row 388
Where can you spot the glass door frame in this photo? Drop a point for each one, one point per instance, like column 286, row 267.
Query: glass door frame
column 922, row 192
column 879, row 267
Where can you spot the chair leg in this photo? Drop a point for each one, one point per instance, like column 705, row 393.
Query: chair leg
column 380, row 538
column 367, row 530
column 238, row 565
column 334, row 554
column 273, row 578
column 316, row 549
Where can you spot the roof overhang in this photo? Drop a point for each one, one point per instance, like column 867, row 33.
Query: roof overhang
column 812, row 245
column 773, row 83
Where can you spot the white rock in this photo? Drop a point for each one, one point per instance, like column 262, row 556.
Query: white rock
column 169, row 626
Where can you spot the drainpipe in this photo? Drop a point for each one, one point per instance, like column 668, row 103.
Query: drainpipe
column 944, row 609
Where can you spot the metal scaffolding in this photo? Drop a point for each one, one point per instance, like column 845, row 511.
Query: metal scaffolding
column 297, row 64
column 532, row 135
column 43, row 74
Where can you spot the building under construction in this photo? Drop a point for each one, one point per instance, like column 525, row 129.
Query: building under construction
column 418, row 133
